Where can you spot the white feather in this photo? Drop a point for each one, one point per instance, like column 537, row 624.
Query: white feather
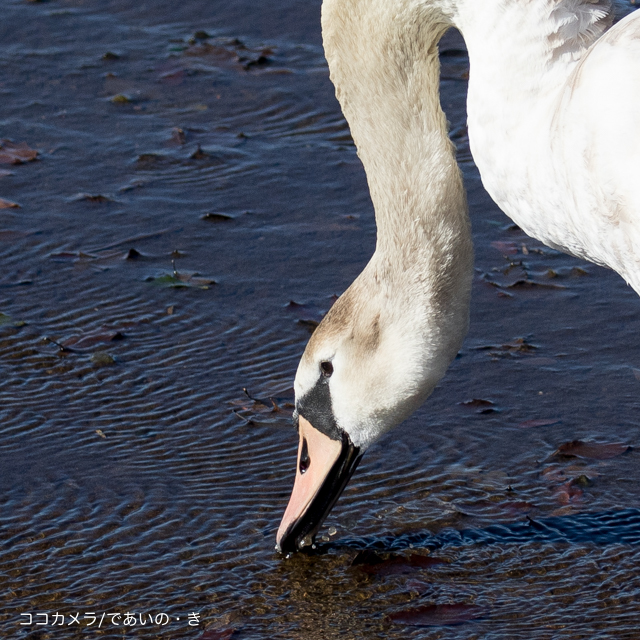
column 553, row 129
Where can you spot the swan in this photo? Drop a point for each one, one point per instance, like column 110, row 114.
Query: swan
column 553, row 88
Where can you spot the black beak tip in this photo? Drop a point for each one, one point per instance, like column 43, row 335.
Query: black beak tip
column 288, row 544
column 301, row 534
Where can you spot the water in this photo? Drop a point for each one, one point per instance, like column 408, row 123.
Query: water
column 136, row 477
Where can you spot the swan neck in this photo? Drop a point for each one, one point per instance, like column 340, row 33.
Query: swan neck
column 383, row 59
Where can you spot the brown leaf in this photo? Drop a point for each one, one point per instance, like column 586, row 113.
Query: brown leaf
column 528, row 283
column 173, row 77
column 195, row 280
column 519, row 345
column 432, row 615
column 178, row 136
column 481, row 406
column 133, row 254
column 217, row 217
column 199, row 154
column 569, row 493
column 216, row 634
column 541, row 422
column 154, row 161
column 560, row 472
column 413, row 584
column 477, row 402
column 89, row 340
column 7, row 204
column 516, row 508
column 514, row 348
column 12, row 153
column 506, row 248
column 486, row 508
column 91, row 197
column 307, row 314
column 263, row 411
column 9, row 235
column 228, row 53
column 216, row 52
column 593, row 450
column 372, row 563
column 255, row 59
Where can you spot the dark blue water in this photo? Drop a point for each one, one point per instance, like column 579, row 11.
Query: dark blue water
column 195, row 176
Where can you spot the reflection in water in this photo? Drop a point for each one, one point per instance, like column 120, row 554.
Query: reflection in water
column 137, row 476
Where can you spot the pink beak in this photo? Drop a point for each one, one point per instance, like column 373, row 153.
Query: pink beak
column 324, row 468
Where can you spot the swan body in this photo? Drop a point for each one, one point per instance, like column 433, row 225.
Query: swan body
column 552, row 127
column 551, row 100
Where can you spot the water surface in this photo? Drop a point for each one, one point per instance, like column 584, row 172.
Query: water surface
column 200, row 144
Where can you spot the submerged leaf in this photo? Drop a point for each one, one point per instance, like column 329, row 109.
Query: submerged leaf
column 477, row 402
column 102, row 359
column 7, row 204
column 8, row 321
column 592, row 450
column 506, row 248
column 542, row 422
column 488, row 509
column 372, row 563
column 569, row 493
column 12, row 153
column 120, row 98
column 133, row 254
column 178, row 136
column 154, row 161
column 528, row 283
column 269, row 411
column 87, row 341
column 179, row 280
column 309, row 315
column 228, row 53
column 438, row 614
column 514, row 348
column 480, row 405
column 199, row 154
column 91, row 197
column 217, row 217
column 216, row 634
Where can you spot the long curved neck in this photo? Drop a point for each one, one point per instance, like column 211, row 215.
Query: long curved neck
column 383, row 58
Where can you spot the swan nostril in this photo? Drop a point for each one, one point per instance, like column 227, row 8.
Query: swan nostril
column 327, row 368
column 305, row 461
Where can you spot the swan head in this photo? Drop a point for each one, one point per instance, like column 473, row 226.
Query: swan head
column 373, row 360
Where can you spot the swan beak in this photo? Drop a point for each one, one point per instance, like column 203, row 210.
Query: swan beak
column 324, row 468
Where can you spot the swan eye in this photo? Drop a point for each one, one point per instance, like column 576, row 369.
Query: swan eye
column 327, row 368
column 305, row 461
